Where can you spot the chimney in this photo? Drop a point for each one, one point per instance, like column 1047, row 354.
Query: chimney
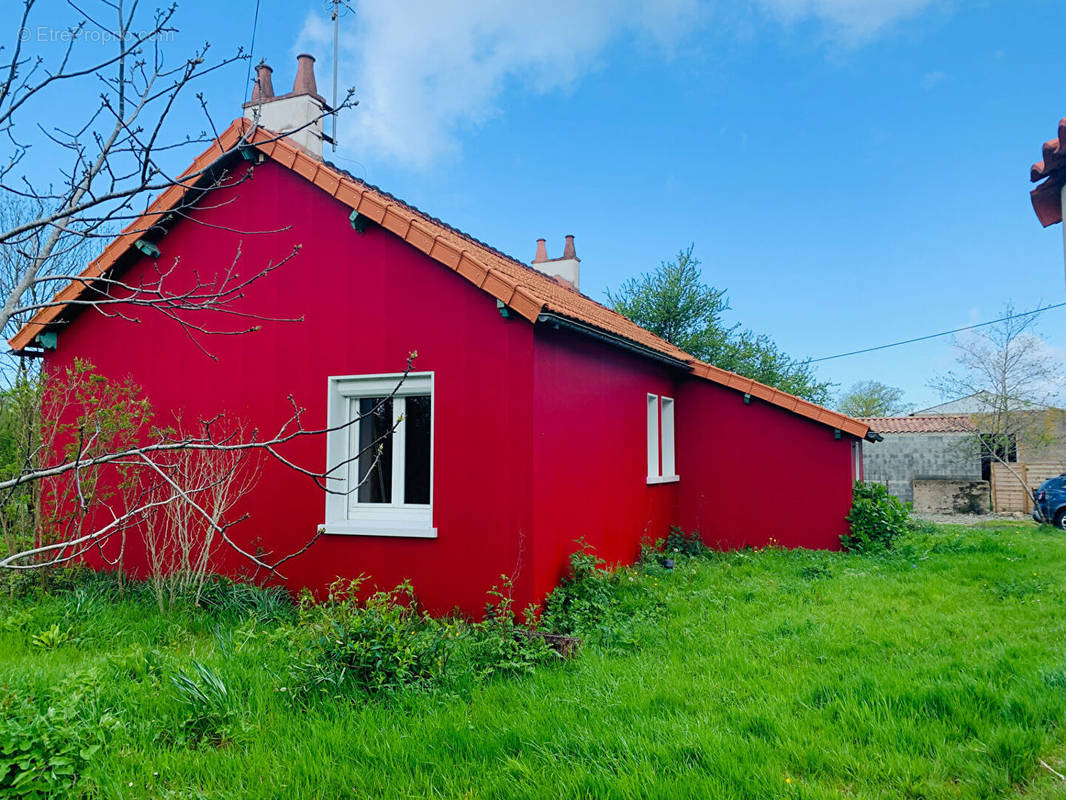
column 567, row 268
column 542, row 251
column 264, row 87
column 299, row 111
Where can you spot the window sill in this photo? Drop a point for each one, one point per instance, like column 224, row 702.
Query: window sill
column 664, row 479
column 349, row 528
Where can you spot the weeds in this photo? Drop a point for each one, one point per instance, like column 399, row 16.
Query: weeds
column 51, row 637
column 210, row 713
column 46, row 746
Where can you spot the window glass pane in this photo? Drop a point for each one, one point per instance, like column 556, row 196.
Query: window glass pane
column 375, row 431
column 669, row 469
column 417, row 453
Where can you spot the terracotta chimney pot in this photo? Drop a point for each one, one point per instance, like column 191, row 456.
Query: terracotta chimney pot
column 305, row 75
column 542, row 252
column 264, row 87
column 568, row 248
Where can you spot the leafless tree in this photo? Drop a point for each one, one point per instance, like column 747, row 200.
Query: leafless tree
column 66, row 189
column 1006, row 372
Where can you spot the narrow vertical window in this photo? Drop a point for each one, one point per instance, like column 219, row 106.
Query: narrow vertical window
column 667, row 435
column 662, row 449
column 653, row 436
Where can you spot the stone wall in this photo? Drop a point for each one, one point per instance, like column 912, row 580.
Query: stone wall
column 903, row 457
column 951, row 496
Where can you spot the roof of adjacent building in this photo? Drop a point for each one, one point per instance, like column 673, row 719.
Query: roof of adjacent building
column 976, row 403
column 1047, row 197
column 941, row 423
column 526, row 291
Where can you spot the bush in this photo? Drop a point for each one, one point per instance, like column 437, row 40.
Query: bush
column 877, row 519
column 582, row 603
column 678, row 542
column 382, row 644
column 499, row 644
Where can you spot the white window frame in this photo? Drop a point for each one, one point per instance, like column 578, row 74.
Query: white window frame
column 662, row 461
column 654, row 473
column 345, row 515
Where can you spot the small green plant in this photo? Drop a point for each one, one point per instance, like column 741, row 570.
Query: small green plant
column 499, row 644
column 51, row 638
column 679, row 542
column 876, row 520
column 223, row 597
column 45, row 746
column 582, row 603
column 209, row 707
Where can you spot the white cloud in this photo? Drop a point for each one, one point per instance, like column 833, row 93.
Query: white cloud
column 425, row 70
column 851, row 20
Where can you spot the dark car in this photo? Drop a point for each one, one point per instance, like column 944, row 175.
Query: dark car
column 1050, row 503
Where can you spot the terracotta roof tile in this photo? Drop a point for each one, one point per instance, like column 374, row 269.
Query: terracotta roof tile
column 1047, row 197
column 525, row 290
column 943, row 423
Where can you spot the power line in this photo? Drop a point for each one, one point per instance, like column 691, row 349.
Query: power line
column 937, row 335
column 251, row 52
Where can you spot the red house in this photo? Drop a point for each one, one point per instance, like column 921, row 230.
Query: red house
column 534, row 416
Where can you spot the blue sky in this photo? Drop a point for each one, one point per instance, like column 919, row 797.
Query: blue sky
column 851, row 172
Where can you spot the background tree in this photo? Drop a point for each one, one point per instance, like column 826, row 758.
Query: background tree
column 673, row 302
column 872, row 399
column 1008, row 374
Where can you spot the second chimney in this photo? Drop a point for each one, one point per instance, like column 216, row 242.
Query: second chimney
column 299, row 111
column 567, row 268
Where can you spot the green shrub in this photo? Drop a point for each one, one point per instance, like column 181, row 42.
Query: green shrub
column 582, row 603
column 499, row 644
column 876, row 520
column 382, row 644
column 678, row 542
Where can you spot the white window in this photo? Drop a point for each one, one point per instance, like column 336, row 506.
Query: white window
column 662, row 459
column 379, row 455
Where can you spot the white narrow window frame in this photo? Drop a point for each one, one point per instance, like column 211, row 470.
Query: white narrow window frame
column 345, row 515
column 666, row 437
column 653, row 439
column 662, row 446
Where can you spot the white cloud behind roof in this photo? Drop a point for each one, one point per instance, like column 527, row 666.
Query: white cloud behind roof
column 426, row 70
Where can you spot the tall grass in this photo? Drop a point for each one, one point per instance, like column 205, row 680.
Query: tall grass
column 935, row 672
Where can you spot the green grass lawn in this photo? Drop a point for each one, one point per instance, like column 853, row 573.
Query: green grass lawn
column 936, row 672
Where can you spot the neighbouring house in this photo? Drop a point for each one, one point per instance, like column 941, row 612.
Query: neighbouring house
column 1034, row 451
column 534, row 416
column 930, row 461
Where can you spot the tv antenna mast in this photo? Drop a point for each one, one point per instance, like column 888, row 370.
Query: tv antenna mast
column 336, row 8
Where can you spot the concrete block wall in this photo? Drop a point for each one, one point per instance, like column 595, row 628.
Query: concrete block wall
column 903, row 457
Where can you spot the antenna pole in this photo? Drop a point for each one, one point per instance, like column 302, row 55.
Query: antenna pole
column 336, row 58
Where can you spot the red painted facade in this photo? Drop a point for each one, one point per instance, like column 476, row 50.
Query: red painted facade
column 539, row 434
